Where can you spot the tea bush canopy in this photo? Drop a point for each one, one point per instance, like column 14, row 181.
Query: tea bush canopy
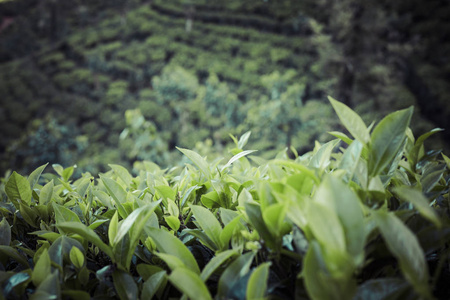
column 351, row 219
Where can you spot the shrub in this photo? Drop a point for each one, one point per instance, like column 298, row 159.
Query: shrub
column 367, row 220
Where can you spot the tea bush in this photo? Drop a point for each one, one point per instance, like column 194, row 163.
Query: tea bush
column 361, row 216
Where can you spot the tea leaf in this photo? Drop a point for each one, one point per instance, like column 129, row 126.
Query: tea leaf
column 88, row 234
column 76, row 257
column 351, row 120
column 199, row 161
column 208, row 223
column 257, row 284
column 420, row 203
column 189, row 283
column 122, row 173
column 35, row 175
column 215, row 263
column 233, row 273
column 152, row 284
column 117, row 193
column 46, row 193
column 41, row 269
column 387, row 137
column 125, row 285
column 173, row 222
column 17, row 187
column 5, row 233
column 237, row 157
column 405, row 247
column 167, row 243
column 9, row 252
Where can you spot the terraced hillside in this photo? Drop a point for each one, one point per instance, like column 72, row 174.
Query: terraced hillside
column 96, row 83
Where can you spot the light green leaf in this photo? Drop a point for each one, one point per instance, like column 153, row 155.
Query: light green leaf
column 88, row 234
column 17, row 187
column 76, row 257
column 273, row 215
column 419, row 201
column 210, row 200
column 167, row 243
column 351, row 120
column 326, row 227
column 233, row 273
column 112, row 229
column 243, row 140
column 146, row 271
column 125, row 285
column 63, row 214
column 342, row 136
column 49, row 287
column 41, row 269
column 257, row 283
column 321, row 159
column 215, row 263
column 122, row 173
column 337, row 196
column 46, row 193
column 208, row 223
column 404, row 245
column 199, row 161
column 190, row 284
column 255, row 216
column 350, row 158
column 228, row 231
column 387, row 138
column 35, row 175
column 5, row 233
column 117, row 193
column 171, row 260
column 173, row 222
column 237, row 157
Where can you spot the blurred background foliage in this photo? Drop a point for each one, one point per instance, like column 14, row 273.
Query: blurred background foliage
column 96, row 82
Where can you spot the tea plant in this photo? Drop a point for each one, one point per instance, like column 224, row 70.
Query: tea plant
column 357, row 217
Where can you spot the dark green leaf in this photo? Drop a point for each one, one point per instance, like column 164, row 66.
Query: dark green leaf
column 420, row 203
column 404, row 246
column 10, row 252
column 233, row 273
column 5, row 233
column 125, row 285
column 382, row 288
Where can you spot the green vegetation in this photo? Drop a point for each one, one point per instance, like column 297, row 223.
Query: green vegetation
column 357, row 217
column 264, row 66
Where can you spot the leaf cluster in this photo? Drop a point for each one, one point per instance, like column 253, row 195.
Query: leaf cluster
column 366, row 215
